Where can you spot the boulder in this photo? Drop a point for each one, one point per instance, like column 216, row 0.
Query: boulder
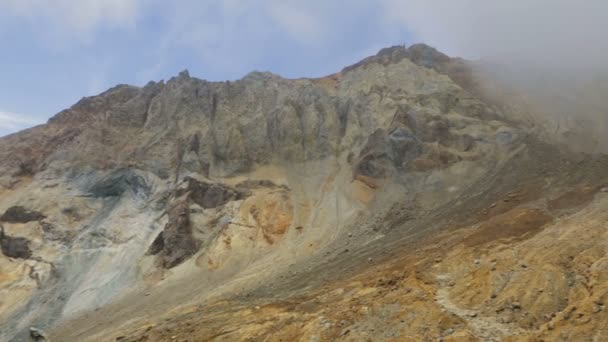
column 19, row 214
column 14, row 247
column 37, row 334
column 210, row 195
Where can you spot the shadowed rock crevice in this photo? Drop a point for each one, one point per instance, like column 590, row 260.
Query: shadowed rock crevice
column 19, row 214
column 157, row 245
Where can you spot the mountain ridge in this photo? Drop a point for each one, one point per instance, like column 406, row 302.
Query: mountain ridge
column 164, row 197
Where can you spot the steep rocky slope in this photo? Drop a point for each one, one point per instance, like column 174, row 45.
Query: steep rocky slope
column 392, row 200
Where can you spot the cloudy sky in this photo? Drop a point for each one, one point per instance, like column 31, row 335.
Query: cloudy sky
column 53, row 52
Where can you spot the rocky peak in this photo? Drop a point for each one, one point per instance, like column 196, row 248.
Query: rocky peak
column 427, row 56
column 184, row 74
column 420, row 54
column 255, row 120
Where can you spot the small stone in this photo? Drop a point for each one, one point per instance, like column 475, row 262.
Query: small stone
column 493, row 295
column 568, row 314
column 370, row 259
column 37, row 334
column 516, row 306
column 473, row 314
column 584, row 320
column 477, row 261
column 605, row 189
column 551, row 326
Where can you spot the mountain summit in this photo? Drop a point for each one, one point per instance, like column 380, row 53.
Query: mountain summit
column 396, row 199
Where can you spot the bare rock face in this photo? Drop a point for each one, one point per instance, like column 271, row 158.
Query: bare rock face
column 176, row 242
column 221, row 129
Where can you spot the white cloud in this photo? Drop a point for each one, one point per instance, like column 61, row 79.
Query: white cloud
column 298, row 19
column 542, row 32
column 79, row 18
column 237, row 36
column 532, row 30
column 12, row 122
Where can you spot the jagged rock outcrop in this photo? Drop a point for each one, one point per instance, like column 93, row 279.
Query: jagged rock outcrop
column 208, row 195
column 175, row 243
column 220, row 129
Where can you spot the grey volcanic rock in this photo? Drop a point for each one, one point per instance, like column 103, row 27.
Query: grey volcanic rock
column 211, row 195
column 52, row 233
column 14, row 247
column 117, row 182
column 19, row 214
column 37, row 334
column 219, row 129
column 177, row 242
